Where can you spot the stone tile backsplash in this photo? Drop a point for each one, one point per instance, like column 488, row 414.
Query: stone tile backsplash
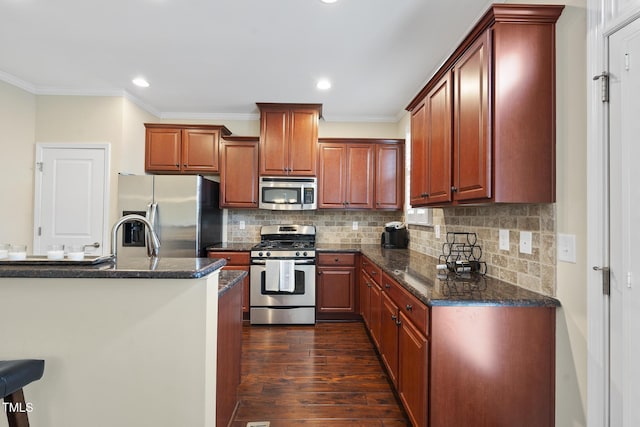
column 536, row 272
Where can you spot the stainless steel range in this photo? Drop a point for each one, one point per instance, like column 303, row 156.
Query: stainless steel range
column 283, row 276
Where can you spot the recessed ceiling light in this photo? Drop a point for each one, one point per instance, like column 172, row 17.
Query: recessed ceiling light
column 323, row 84
column 141, row 82
column 328, row 1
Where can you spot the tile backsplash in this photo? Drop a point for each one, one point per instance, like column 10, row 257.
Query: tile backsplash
column 331, row 226
column 536, row 272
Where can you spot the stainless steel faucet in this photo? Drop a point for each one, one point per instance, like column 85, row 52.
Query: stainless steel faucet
column 153, row 243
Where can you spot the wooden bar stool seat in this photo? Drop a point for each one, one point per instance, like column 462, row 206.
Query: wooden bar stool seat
column 14, row 375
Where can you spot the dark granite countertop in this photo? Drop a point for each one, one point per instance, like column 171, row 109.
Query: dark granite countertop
column 228, row 279
column 124, row 268
column 417, row 273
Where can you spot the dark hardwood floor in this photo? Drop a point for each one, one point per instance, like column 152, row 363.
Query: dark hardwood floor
column 322, row 375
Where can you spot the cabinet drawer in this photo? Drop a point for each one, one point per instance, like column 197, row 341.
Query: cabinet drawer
column 372, row 269
column 412, row 307
column 233, row 258
column 337, row 259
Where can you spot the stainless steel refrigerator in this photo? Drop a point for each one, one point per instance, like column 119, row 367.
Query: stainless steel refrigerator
column 187, row 216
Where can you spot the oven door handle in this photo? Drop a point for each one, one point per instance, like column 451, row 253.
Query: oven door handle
column 296, row 261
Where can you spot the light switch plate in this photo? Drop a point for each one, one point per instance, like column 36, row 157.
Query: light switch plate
column 354, row 226
column 504, row 240
column 436, row 229
column 242, row 225
column 567, row 248
column 525, row 242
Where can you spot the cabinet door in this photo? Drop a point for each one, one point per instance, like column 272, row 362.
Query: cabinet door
column 163, row 149
column 200, row 150
column 389, row 179
column 418, row 186
column 375, row 303
column 365, row 299
column 332, row 176
column 389, row 337
column 360, row 178
column 238, row 175
column 472, row 141
column 303, row 142
column 413, row 353
column 336, row 290
column 274, row 136
column 438, row 134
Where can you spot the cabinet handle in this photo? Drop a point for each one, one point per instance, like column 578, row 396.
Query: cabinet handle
column 409, row 307
column 388, row 286
column 178, row 165
column 424, row 195
column 337, row 259
column 454, row 188
column 373, row 273
column 368, row 285
column 394, row 317
column 228, row 258
column 185, row 165
column 319, row 273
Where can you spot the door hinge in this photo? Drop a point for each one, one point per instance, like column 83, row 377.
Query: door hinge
column 39, row 166
column 39, row 231
column 605, row 85
column 606, row 279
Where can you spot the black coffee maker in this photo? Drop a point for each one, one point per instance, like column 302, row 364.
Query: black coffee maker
column 395, row 236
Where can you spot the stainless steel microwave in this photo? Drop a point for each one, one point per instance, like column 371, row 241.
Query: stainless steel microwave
column 288, row 193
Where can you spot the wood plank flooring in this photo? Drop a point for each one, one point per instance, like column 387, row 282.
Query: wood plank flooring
column 322, row 375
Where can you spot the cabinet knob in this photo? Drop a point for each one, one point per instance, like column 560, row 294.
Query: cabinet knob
column 228, row 258
column 454, row 188
column 319, row 273
column 337, row 259
column 409, row 307
column 394, row 317
column 185, row 165
column 388, row 286
column 177, row 165
column 424, row 195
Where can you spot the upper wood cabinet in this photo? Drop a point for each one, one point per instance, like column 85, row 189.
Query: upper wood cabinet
column 239, row 172
column 171, row 148
column 360, row 173
column 289, row 138
column 431, row 146
column 501, row 141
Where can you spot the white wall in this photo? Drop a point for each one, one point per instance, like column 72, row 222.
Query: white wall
column 17, row 121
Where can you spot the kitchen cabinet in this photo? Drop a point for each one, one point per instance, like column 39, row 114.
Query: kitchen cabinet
column 237, row 261
column 372, row 310
column 336, row 286
column 289, row 138
column 360, row 174
column 431, row 160
column 413, row 365
column 229, row 354
column 389, row 337
column 346, row 176
column 239, row 172
column 501, row 83
column 182, row 148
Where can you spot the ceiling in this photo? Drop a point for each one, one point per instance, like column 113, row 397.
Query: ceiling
column 217, row 58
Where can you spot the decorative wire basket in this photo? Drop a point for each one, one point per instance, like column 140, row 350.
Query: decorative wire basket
column 461, row 257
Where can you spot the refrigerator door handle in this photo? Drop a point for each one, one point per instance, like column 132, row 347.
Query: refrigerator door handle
column 152, row 209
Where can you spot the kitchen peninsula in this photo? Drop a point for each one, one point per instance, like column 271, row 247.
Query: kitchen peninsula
column 132, row 342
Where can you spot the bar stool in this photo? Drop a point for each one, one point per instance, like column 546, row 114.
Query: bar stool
column 14, row 375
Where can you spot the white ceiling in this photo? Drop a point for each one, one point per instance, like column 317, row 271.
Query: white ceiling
column 217, row 58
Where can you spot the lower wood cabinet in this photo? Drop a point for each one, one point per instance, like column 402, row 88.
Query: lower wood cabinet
column 336, row 286
column 389, row 322
column 237, row 260
column 229, row 354
column 413, row 366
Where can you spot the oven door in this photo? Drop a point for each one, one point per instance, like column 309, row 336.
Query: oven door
column 304, row 294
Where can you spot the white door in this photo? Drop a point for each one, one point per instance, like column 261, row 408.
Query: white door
column 71, row 196
column 624, row 226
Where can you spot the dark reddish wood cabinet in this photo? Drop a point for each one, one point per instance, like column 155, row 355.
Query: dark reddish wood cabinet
column 237, row 261
column 171, row 148
column 239, row 172
column 389, row 337
column 336, row 297
column 289, row 138
column 502, row 112
column 361, row 173
column 229, row 354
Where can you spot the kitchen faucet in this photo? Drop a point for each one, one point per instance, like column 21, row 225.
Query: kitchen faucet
column 152, row 243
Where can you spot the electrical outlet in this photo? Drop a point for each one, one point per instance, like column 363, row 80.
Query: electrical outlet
column 504, row 240
column 525, row 242
column 354, row 225
column 242, row 225
column 567, row 248
column 436, row 228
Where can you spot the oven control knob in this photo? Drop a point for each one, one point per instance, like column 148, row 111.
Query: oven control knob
column 297, row 253
column 259, row 253
column 304, row 253
column 268, row 253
